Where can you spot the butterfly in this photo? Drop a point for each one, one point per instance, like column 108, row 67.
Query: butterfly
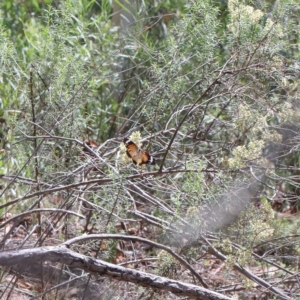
column 138, row 156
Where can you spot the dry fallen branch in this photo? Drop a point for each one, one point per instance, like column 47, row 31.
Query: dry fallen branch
column 246, row 272
column 141, row 240
column 60, row 254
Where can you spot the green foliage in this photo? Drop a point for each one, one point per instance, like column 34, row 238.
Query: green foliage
column 168, row 266
column 65, row 96
column 209, row 88
column 254, row 226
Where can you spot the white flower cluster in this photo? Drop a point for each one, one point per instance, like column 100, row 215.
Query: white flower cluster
column 243, row 154
column 242, row 14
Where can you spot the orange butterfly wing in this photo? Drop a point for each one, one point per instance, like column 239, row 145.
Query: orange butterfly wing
column 138, row 156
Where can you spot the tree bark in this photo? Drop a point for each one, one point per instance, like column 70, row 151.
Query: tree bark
column 60, row 254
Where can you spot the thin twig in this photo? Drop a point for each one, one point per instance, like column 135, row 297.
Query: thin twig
column 138, row 239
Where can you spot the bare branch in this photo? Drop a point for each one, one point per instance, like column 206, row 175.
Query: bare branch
column 76, row 260
column 142, row 240
column 56, row 210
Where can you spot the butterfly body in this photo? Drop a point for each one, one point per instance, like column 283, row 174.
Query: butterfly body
column 138, row 156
